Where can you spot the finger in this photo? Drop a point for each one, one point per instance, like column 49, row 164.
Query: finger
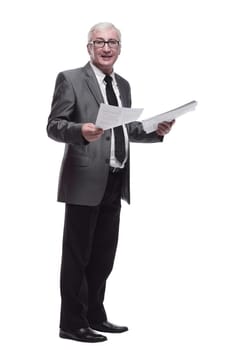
column 95, row 131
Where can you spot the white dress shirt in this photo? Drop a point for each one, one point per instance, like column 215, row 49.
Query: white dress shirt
column 102, row 84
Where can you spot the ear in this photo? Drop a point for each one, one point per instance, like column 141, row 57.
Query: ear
column 89, row 49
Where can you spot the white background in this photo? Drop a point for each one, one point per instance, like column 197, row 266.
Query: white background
column 172, row 281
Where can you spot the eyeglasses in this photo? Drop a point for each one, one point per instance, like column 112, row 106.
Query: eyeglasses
column 113, row 44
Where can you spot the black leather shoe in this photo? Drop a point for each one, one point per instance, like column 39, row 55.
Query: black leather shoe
column 108, row 327
column 83, row 334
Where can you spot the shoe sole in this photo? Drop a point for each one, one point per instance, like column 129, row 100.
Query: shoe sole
column 65, row 335
column 99, row 329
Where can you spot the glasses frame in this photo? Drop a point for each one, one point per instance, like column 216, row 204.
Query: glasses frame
column 108, row 42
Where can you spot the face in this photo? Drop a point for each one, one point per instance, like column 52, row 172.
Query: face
column 104, row 57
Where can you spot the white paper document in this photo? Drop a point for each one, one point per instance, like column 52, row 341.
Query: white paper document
column 151, row 124
column 111, row 116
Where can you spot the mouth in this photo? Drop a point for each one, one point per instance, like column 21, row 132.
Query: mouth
column 106, row 57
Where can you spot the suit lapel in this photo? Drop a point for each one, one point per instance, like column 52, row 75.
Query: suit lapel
column 93, row 84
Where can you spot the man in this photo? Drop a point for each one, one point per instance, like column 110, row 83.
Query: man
column 94, row 177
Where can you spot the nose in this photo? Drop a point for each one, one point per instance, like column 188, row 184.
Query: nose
column 106, row 47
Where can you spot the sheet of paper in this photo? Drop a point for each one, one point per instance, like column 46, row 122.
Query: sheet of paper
column 111, row 116
column 151, row 124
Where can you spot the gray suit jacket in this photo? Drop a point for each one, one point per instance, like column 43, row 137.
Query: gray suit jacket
column 85, row 166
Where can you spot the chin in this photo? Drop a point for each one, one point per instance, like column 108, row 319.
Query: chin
column 107, row 63
column 106, row 67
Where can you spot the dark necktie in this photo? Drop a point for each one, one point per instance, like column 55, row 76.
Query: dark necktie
column 118, row 131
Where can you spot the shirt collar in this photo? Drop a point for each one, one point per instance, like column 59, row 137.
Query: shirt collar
column 100, row 75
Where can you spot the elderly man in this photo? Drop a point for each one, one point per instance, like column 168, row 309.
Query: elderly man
column 94, row 177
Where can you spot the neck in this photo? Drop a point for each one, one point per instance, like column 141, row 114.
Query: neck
column 105, row 70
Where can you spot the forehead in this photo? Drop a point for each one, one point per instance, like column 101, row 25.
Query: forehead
column 105, row 34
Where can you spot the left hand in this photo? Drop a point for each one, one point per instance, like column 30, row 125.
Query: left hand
column 164, row 128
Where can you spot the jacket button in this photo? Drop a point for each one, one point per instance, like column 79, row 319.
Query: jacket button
column 107, row 161
column 108, row 138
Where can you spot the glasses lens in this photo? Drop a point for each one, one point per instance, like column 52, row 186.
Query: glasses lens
column 112, row 43
column 98, row 43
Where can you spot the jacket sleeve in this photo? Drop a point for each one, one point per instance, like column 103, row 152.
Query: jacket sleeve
column 61, row 126
column 137, row 134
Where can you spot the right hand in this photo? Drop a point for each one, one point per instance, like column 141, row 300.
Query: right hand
column 90, row 132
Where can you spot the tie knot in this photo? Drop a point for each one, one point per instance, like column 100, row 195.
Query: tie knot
column 108, row 79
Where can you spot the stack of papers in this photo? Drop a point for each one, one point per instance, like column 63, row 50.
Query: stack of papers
column 151, row 124
column 111, row 116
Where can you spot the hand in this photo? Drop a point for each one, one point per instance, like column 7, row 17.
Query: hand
column 164, row 128
column 90, row 132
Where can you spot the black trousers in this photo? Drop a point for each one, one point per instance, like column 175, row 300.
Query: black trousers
column 89, row 246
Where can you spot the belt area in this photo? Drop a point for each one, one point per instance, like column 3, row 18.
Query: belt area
column 115, row 170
